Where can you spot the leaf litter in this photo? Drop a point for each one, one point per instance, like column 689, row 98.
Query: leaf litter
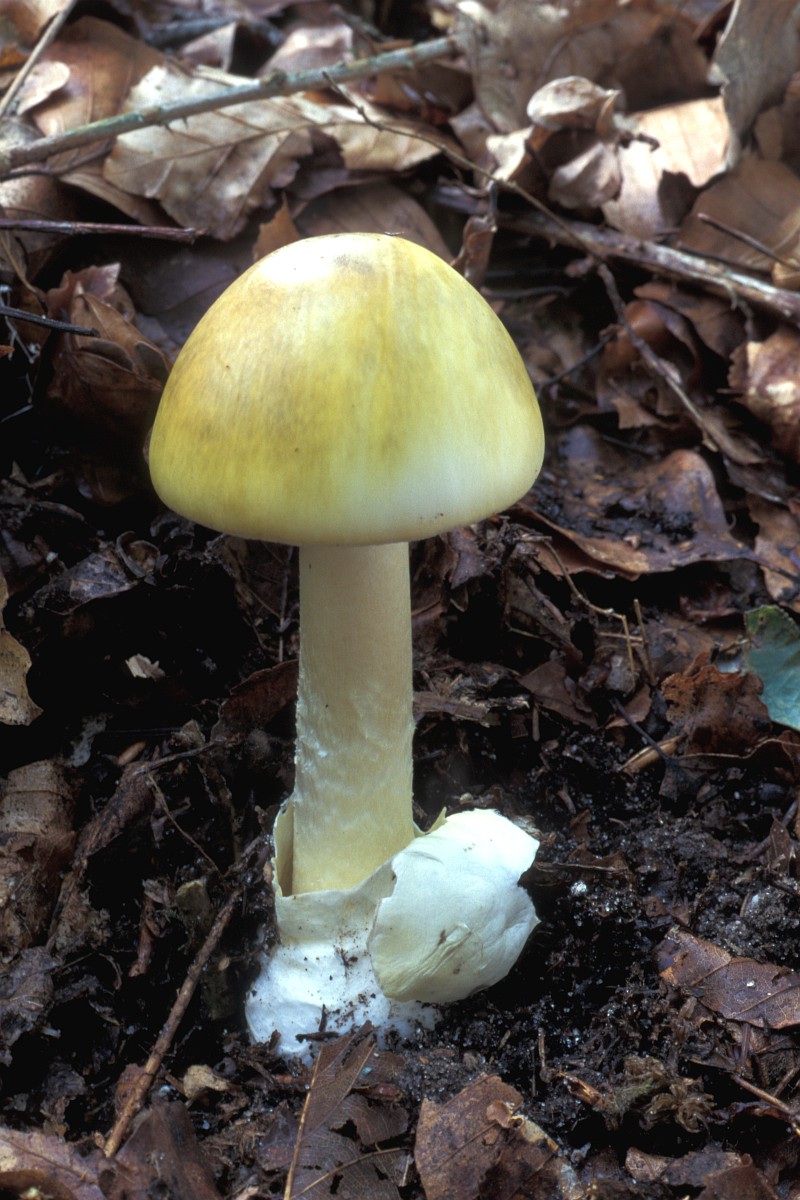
column 614, row 659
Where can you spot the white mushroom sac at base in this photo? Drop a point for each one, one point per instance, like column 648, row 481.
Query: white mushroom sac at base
column 444, row 918
column 456, row 920
column 320, row 977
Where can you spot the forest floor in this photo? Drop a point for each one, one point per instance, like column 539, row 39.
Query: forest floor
column 615, row 660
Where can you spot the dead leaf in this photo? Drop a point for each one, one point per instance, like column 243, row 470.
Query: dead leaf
column 40, row 1164
column 687, row 1170
column 214, row 169
column 255, row 701
column 716, row 712
column 738, row 989
column 163, row 1154
column 338, row 1149
column 678, row 148
column 43, row 81
column 479, row 1145
column 16, row 706
column 776, row 545
column 29, row 17
column 103, row 63
column 757, row 198
column 26, row 992
column 372, row 208
column 637, row 517
column 754, row 61
column 764, row 374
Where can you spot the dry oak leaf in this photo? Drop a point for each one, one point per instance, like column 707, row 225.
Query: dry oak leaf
column 212, row 170
column 738, row 989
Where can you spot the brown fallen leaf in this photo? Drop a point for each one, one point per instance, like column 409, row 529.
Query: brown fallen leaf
column 776, row 545
column 678, row 148
column 764, row 375
column 372, row 208
column 255, row 701
column 27, row 18
column 738, row 989
column 26, row 992
column 754, row 62
column 103, row 63
column 214, row 169
column 633, row 516
column 16, row 706
column 687, row 1170
column 38, row 1164
column 338, row 1150
column 716, row 712
column 163, row 1154
column 743, row 1182
column 758, row 199
column 478, row 1145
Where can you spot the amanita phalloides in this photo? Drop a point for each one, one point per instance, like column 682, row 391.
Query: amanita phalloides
column 349, row 394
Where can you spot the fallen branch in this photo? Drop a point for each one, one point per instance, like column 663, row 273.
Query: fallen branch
column 135, row 1098
column 736, row 286
column 276, row 83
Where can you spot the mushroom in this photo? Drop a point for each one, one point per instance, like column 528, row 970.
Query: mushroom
column 348, row 394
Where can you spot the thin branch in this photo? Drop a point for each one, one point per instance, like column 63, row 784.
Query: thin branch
column 138, row 1093
column 74, row 228
column 50, row 34
column 276, row 83
column 19, row 314
column 735, row 285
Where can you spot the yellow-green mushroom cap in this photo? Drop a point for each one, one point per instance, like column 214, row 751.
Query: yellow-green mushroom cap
column 351, row 388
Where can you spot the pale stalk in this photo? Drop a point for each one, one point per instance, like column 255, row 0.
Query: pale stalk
column 351, row 807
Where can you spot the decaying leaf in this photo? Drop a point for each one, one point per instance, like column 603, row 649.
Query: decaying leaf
column 214, row 169
column 754, row 61
column 338, row 1150
column 738, row 989
column 479, row 1144
column 765, row 374
column 26, row 992
column 638, row 517
column 16, row 706
column 675, row 149
column 39, row 1164
column 716, row 712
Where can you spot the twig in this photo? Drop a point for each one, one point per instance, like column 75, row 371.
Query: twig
column 73, row 228
column 19, row 314
column 136, row 1097
column 48, row 37
column 657, row 365
column 725, row 281
column 276, row 83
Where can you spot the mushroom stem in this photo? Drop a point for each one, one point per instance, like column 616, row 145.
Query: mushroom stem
column 352, row 801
